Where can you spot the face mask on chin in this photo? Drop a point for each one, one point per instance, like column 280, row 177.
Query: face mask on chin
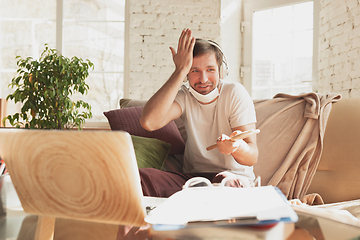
column 204, row 98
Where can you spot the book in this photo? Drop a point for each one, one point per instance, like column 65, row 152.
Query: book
column 277, row 231
column 219, row 206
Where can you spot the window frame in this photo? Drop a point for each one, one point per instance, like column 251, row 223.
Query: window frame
column 251, row 6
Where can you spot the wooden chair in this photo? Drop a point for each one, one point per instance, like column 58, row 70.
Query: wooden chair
column 79, row 175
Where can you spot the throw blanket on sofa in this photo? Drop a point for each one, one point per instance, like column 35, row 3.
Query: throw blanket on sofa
column 291, row 139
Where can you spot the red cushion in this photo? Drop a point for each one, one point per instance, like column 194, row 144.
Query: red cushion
column 127, row 119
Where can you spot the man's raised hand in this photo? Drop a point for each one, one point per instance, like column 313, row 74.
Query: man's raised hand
column 184, row 56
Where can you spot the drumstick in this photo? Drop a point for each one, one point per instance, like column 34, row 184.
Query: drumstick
column 238, row 137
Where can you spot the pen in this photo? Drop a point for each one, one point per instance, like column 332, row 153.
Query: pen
column 238, row 220
column 2, row 167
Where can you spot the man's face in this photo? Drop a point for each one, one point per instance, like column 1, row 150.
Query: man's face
column 204, row 73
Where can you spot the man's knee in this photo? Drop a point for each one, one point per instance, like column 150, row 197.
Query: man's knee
column 157, row 183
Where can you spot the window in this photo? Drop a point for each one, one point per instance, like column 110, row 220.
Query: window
column 24, row 29
column 90, row 29
column 280, row 46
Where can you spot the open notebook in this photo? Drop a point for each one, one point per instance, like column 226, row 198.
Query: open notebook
column 83, row 175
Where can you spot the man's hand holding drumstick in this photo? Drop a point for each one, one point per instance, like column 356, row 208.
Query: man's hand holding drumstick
column 229, row 144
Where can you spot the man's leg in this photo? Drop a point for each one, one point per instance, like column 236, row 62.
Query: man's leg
column 157, row 183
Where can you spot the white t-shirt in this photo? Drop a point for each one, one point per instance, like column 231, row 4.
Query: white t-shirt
column 205, row 123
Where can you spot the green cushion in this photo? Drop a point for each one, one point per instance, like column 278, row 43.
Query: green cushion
column 150, row 152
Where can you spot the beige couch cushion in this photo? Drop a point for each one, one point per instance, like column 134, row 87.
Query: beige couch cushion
column 338, row 175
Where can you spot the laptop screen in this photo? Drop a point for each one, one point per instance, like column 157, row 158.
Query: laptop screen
column 84, row 175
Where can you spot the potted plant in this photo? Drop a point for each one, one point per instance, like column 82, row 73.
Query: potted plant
column 44, row 88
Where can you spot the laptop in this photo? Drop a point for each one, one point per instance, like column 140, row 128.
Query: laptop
column 82, row 175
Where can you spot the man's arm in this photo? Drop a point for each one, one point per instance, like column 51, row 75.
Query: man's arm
column 244, row 151
column 161, row 107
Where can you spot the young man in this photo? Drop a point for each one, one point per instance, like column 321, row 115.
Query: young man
column 212, row 110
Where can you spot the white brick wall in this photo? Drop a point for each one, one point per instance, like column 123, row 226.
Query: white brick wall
column 339, row 47
column 155, row 25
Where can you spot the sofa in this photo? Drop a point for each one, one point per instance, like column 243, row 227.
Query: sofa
column 335, row 178
column 336, row 152
column 331, row 188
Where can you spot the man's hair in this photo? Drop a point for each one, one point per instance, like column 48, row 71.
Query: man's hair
column 204, row 46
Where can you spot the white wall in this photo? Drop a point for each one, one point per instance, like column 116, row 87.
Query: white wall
column 339, row 47
column 155, row 25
